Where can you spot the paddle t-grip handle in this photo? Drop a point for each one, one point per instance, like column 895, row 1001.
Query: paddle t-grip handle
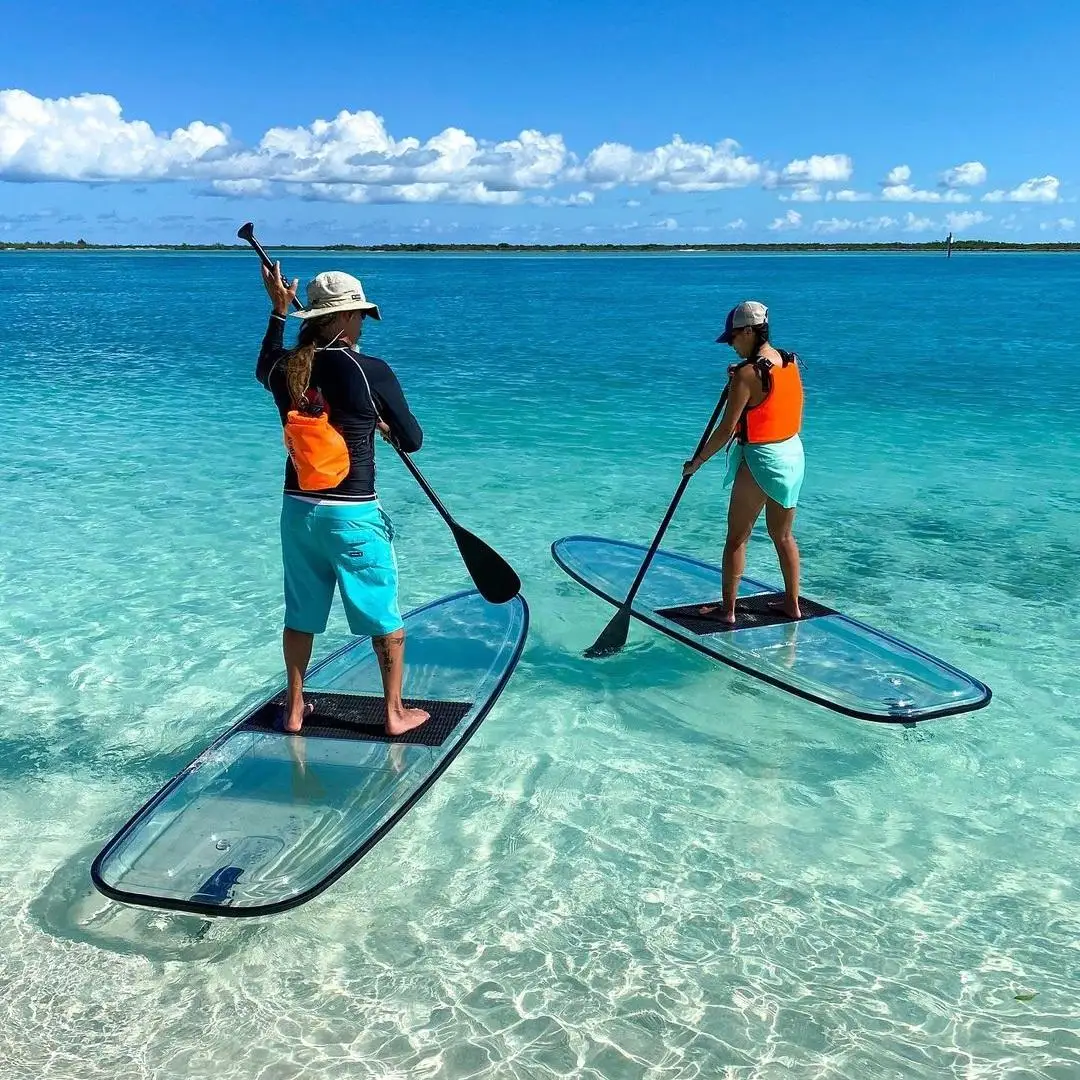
column 247, row 232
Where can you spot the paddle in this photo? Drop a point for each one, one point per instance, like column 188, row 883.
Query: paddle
column 493, row 576
column 613, row 637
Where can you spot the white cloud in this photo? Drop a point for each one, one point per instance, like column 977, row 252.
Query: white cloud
column 355, row 149
column 970, row 174
column 426, row 225
column 1062, row 225
column 667, row 225
column 351, row 158
column 834, row 225
column 906, row 193
column 475, row 193
column 580, row 198
column 838, row 225
column 1039, row 189
column 803, row 193
column 791, row 220
column 632, row 203
column 915, row 224
column 965, row 219
column 677, row 166
column 86, row 138
column 820, row 168
column 737, row 225
column 243, row 189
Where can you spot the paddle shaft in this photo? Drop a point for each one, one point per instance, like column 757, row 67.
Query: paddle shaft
column 626, row 604
column 409, row 463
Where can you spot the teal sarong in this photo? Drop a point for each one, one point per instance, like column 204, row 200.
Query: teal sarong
column 777, row 467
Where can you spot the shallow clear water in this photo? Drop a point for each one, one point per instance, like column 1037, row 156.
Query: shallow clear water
column 648, row 867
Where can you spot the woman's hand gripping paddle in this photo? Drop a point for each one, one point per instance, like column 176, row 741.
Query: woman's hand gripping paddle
column 493, row 576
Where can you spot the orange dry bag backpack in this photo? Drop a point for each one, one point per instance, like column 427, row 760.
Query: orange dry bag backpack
column 318, row 452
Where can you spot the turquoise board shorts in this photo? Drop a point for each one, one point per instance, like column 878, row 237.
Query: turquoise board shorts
column 777, row 467
column 349, row 546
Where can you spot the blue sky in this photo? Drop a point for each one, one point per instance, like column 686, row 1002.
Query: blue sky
column 539, row 122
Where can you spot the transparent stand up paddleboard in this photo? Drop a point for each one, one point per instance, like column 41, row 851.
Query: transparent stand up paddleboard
column 825, row 657
column 262, row 821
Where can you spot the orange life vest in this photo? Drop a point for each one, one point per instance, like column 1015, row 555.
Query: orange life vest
column 779, row 416
column 319, row 454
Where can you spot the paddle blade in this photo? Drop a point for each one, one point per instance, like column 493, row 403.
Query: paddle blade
column 612, row 638
column 246, row 231
column 493, row 576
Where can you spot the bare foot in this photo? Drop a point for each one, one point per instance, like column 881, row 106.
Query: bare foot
column 294, row 723
column 791, row 610
column 401, row 720
column 711, row 611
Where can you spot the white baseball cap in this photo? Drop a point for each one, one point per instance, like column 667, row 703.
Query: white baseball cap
column 334, row 290
column 748, row 313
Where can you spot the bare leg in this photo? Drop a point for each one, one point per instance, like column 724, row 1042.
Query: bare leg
column 747, row 499
column 297, row 649
column 780, row 522
column 390, row 651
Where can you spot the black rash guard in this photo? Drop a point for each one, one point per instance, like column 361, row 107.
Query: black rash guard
column 353, row 386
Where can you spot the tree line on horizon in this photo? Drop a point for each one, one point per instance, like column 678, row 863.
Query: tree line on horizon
column 928, row 245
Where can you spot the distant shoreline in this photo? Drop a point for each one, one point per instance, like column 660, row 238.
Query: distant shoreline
column 959, row 246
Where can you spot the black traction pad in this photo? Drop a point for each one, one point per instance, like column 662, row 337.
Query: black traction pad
column 360, row 716
column 760, row 610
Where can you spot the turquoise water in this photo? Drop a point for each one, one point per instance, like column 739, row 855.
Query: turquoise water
column 650, row 867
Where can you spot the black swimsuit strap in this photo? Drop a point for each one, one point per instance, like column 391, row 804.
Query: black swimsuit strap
column 761, row 367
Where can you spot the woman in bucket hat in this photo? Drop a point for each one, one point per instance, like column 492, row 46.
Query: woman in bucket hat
column 760, row 427
column 336, row 535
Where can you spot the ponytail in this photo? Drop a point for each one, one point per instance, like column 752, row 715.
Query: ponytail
column 761, row 337
column 313, row 334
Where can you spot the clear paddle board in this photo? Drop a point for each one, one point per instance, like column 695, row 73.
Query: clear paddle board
column 262, row 821
column 825, row 657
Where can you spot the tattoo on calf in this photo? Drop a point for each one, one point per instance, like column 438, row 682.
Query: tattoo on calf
column 386, row 647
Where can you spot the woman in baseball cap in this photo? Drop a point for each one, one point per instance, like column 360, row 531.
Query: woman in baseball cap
column 760, row 428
